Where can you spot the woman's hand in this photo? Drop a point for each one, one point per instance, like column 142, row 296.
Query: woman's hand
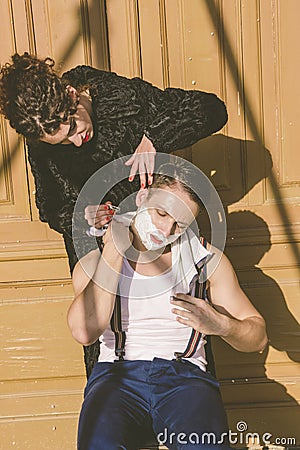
column 142, row 161
column 98, row 215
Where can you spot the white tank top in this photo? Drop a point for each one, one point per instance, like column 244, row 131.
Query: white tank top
column 151, row 328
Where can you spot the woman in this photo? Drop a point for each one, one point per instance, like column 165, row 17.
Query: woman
column 81, row 121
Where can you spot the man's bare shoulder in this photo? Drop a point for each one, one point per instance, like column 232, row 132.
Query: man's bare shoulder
column 92, row 257
column 85, row 269
column 219, row 265
column 225, row 291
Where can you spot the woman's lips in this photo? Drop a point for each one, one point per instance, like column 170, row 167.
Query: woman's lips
column 86, row 137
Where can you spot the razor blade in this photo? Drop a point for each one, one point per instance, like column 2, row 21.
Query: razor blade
column 113, row 207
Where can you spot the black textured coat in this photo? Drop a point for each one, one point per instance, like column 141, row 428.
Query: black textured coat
column 124, row 110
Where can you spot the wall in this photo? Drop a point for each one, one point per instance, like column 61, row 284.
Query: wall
column 41, row 370
column 245, row 52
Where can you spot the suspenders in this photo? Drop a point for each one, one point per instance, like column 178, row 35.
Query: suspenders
column 120, row 335
column 116, row 320
column 116, row 327
column 200, row 292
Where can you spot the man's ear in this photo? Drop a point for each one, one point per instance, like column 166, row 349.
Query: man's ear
column 141, row 197
column 72, row 92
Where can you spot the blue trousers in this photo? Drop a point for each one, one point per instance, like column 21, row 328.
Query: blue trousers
column 126, row 402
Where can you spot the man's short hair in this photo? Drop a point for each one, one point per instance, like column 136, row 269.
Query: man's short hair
column 178, row 173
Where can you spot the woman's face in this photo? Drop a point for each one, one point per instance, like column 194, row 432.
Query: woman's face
column 77, row 130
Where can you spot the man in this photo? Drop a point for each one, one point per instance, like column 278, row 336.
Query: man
column 140, row 298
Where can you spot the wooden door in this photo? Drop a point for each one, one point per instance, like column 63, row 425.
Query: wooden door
column 42, row 370
column 247, row 53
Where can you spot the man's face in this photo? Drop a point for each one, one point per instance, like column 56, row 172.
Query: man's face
column 77, row 130
column 164, row 215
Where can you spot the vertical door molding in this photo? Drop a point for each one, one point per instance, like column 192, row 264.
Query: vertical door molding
column 123, row 37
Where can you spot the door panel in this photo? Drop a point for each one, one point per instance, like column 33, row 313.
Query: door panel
column 42, row 369
column 244, row 51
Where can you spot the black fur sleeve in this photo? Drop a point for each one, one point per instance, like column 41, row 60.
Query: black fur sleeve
column 172, row 118
column 178, row 118
column 50, row 196
column 124, row 110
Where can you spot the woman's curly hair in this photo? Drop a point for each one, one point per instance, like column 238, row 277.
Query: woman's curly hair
column 33, row 97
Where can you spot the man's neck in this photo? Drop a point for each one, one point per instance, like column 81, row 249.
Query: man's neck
column 151, row 263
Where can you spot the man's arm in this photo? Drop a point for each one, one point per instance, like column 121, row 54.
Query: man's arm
column 243, row 326
column 95, row 281
column 230, row 316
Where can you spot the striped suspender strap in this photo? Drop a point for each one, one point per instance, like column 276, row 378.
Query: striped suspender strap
column 116, row 327
column 200, row 292
column 116, row 321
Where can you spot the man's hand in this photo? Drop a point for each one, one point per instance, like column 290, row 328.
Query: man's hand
column 98, row 215
column 118, row 237
column 142, row 161
column 200, row 315
column 246, row 334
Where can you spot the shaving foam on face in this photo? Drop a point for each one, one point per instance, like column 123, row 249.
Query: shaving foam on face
column 145, row 228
